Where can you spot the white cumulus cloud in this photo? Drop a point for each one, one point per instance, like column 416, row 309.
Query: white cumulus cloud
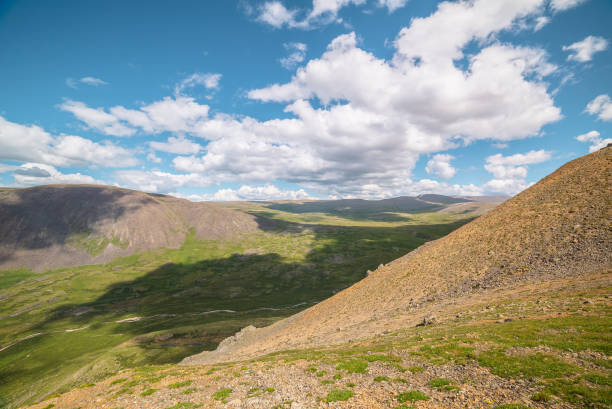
column 440, row 165
column 562, row 5
column 30, row 174
column 297, row 54
column 276, row 14
column 31, row 143
column 595, row 139
column 330, row 7
column 178, row 114
column 491, row 100
column 97, row 118
column 357, row 124
column 156, row 181
column 151, row 157
column 509, row 172
column 207, row 80
column 583, row 51
column 179, row 146
column 246, row 192
column 601, row 106
column 392, row 5
column 540, row 22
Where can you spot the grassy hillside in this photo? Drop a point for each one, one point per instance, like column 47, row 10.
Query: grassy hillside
column 68, row 327
column 532, row 347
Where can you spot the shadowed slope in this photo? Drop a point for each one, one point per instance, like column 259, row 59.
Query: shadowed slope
column 67, row 225
column 559, row 227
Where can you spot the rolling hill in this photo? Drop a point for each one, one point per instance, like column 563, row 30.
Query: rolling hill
column 56, row 226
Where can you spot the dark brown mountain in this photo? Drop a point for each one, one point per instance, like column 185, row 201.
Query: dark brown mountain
column 67, row 225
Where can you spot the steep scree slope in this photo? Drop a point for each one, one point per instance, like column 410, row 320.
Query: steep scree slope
column 560, row 227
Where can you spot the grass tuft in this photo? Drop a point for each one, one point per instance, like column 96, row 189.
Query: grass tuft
column 148, row 392
column 186, row 405
column 540, row 397
column 353, row 366
column 412, row 396
column 222, row 393
column 443, row 383
column 177, row 385
column 339, row 395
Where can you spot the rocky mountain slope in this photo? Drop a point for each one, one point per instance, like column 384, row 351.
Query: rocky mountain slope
column 68, row 225
column 559, row 227
column 510, row 311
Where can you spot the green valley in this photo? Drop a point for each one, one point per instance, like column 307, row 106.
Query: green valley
column 63, row 328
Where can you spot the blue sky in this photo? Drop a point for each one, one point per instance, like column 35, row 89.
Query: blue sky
column 243, row 100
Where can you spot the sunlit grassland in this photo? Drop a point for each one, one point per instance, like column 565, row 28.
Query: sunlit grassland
column 170, row 295
column 361, row 218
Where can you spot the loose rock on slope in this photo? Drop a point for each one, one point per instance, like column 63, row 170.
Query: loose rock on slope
column 557, row 228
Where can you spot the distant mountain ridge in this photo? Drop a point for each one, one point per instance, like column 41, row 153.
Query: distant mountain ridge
column 68, row 225
column 403, row 204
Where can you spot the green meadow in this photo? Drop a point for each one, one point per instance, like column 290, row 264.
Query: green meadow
column 69, row 327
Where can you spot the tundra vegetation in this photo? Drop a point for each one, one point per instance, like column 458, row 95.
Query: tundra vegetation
column 522, row 363
column 65, row 328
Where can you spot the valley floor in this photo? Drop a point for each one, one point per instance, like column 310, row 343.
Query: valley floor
column 72, row 326
column 535, row 345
